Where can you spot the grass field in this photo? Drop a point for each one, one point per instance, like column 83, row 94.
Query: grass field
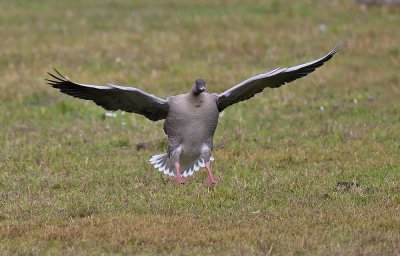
column 311, row 168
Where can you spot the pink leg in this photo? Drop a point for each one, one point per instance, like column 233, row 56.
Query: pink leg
column 210, row 179
column 178, row 177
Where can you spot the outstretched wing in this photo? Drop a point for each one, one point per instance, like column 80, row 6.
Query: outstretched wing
column 113, row 97
column 273, row 79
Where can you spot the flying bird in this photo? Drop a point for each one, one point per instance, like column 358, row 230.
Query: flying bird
column 190, row 119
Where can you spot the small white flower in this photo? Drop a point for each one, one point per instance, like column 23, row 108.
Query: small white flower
column 110, row 114
column 322, row 28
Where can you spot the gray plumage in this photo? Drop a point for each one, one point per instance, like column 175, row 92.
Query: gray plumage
column 192, row 118
column 190, row 126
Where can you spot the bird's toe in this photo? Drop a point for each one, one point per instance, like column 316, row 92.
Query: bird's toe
column 211, row 181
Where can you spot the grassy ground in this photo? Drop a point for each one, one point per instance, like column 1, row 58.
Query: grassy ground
column 311, row 168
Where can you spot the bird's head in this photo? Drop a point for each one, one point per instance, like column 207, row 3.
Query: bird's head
column 198, row 87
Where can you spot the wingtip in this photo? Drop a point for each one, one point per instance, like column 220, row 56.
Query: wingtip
column 55, row 70
column 339, row 47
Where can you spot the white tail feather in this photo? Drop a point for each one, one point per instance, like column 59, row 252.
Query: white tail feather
column 161, row 163
column 201, row 162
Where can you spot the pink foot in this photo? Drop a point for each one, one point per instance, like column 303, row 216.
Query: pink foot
column 178, row 177
column 211, row 180
column 180, row 180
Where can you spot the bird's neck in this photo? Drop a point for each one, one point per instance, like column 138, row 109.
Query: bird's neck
column 195, row 94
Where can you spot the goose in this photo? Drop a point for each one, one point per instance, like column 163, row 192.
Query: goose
column 190, row 119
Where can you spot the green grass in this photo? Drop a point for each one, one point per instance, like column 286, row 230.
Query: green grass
column 72, row 181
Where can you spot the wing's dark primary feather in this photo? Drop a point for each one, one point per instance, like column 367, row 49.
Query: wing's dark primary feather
column 113, row 97
column 273, row 79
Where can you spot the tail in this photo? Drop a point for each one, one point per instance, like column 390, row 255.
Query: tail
column 164, row 165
